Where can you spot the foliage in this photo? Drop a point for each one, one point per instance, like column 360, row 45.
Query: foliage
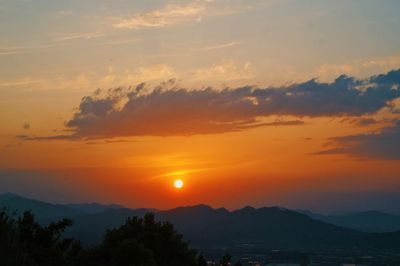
column 226, row 260
column 201, row 261
column 143, row 241
column 23, row 241
column 139, row 242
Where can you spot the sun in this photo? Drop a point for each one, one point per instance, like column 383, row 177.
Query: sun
column 178, row 183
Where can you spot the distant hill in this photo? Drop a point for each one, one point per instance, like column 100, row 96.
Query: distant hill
column 367, row 221
column 271, row 227
column 91, row 227
column 92, row 208
column 203, row 226
column 311, row 214
column 44, row 212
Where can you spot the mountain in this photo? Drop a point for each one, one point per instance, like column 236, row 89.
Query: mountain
column 6, row 196
column 44, row 212
column 311, row 214
column 367, row 221
column 91, row 227
column 268, row 226
column 92, row 208
column 203, row 226
column 91, row 220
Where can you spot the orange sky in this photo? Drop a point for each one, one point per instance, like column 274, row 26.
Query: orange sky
column 263, row 166
column 244, row 101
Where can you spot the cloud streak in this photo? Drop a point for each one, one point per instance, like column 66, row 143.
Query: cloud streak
column 178, row 13
column 219, row 46
column 169, row 15
column 85, row 36
column 383, row 145
column 226, row 70
column 360, row 67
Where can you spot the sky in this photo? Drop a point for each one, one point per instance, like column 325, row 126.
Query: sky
column 256, row 102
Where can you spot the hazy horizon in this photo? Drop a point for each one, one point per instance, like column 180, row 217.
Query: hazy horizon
column 322, row 211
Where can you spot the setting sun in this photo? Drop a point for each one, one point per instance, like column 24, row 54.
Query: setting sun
column 178, row 183
column 166, row 132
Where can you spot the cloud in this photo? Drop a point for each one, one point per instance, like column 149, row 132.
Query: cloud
column 382, row 145
column 227, row 70
column 366, row 122
column 20, row 82
column 56, row 137
column 140, row 74
column 165, row 111
column 170, row 109
column 15, row 50
column 360, row 67
column 78, row 36
column 219, row 46
column 169, row 15
column 85, row 81
column 363, row 121
column 122, row 41
column 179, row 13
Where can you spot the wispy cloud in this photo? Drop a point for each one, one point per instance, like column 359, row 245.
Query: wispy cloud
column 56, row 42
column 177, row 13
column 20, row 82
column 86, row 36
column 123, row 41
column 56, row 137
column 219, row 46
column 85, row 81
column 141, row 74
column 13, row 50
column 170, row 14
column 227, row 70
column 360, row 67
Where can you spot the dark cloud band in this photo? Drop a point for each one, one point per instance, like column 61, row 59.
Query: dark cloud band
column 179, row 111
column 384, row 144
column 171, row 110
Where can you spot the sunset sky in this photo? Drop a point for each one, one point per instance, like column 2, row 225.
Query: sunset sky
column 248, row 102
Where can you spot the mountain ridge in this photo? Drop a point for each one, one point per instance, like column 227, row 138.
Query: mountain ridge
column 202, row 225
column 372, row 221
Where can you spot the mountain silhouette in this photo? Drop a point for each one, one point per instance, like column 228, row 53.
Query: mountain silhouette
column 44, row 212
column 204, row 226
column 94, row 207
column 268, row 226
column 366, row 221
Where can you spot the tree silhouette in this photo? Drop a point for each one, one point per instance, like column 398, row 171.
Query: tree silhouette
column 26, row 242
column 201, row 261
column 143, row 241
column 139, row 242
column 238, row 263
column 225, row 260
